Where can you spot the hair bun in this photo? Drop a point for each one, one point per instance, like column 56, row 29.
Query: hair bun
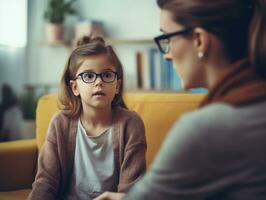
column 89, row 39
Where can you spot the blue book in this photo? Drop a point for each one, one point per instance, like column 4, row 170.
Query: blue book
column 152, row 54
column 163, row 72
column 170, row 71
column 199, row 90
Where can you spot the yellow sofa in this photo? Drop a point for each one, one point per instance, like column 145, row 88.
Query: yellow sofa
column 19, row 158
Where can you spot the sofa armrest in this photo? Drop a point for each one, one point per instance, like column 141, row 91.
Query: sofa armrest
column 18, row 164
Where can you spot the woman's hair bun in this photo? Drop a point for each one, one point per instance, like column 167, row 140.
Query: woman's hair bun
column 89, row 39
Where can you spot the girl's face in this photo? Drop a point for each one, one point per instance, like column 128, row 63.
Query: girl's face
column 96, row 92
column 182, row 52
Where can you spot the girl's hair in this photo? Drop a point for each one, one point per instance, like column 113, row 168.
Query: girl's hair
column 86, row 47
column 240, row 24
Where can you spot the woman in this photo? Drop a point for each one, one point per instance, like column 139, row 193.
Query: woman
column 216, row 152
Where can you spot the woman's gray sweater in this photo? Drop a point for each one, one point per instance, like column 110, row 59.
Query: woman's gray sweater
column 217, row 152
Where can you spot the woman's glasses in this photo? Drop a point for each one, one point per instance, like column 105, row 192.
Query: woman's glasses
column 90, row 77
column 163, row 40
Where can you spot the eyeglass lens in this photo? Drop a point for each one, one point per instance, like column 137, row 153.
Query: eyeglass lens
column 106, row 76
column 164, row 43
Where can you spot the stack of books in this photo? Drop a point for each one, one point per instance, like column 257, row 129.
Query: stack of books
column 154, row 72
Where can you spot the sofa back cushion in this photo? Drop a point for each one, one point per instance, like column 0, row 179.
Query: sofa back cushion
column 159, row 111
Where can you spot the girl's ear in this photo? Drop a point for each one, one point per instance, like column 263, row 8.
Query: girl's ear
column 118, row 85
column 202, row 41
column 74, row 87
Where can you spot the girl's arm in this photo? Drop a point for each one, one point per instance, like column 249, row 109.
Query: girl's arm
column 47, row 179
column 133, row 164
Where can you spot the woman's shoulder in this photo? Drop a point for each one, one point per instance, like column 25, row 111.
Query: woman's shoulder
column 220, row 118
column 219, row 114
column 205, row 126
column 212, row 112
column 209, row 116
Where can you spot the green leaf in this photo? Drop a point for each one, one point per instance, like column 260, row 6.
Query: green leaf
column 58, row 9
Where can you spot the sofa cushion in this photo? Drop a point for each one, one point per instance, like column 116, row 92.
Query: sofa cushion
column 15, row 195
column 159, row 112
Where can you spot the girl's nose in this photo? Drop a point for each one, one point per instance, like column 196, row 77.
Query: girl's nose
column 98, row 81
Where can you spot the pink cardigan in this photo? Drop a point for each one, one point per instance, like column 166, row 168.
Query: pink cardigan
column 56, row 158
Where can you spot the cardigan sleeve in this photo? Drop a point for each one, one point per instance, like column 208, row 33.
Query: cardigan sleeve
column 133, row 164
column 46, row 184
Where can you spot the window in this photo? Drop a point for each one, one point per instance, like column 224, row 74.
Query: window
column 13, row 23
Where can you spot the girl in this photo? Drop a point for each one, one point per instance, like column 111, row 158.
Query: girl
column 95, row 143
column 218, row 151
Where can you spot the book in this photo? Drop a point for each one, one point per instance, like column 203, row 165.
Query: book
column 152, row 60
column 139, row 62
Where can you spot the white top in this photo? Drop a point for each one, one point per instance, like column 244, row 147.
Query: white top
column 94, row 165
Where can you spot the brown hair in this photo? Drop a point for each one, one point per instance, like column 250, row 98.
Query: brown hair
column 240, row 24
column 86, row 47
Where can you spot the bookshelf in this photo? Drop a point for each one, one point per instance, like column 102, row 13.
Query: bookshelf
column 117, row 41
column 127, row 50
column 144, row 66
column 111, row 41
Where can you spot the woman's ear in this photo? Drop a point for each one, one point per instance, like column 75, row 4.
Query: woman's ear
column 74, row 87
column 118, row 85
column 202, row 41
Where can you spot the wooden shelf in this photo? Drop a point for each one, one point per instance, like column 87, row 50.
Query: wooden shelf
column 56, row 44
column 111, row 41
column 117, row 41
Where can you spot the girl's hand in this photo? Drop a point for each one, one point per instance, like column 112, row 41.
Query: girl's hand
column 110, row 196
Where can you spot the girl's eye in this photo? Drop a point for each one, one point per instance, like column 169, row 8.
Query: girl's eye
column 88, row 75
column 107, row 74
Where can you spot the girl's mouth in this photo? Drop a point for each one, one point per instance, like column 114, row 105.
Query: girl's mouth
column 99, row 93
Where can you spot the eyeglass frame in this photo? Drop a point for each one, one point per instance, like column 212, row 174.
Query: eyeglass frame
column 97, row 75
column 168, row 36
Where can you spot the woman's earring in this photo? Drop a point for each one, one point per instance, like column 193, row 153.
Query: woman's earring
column 200, row 55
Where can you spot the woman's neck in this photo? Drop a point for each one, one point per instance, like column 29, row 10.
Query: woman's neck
column 214, row 72
column 96, row 120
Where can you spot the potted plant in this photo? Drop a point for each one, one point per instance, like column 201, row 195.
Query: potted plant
column 55, row 15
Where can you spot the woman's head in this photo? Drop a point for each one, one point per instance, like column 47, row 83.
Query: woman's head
column 238, row 26
column 93, row 76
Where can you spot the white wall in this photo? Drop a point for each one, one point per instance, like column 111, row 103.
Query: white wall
column 13, row 53
column 12, row 67
column 122, row 19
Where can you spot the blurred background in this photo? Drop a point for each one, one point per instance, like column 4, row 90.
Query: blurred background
column 36, row 38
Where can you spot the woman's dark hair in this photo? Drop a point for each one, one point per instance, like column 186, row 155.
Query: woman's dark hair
column 240, row 24
column 86, row 47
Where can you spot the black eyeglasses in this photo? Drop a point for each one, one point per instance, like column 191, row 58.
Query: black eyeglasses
column 90, row 77
column 163, row 40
